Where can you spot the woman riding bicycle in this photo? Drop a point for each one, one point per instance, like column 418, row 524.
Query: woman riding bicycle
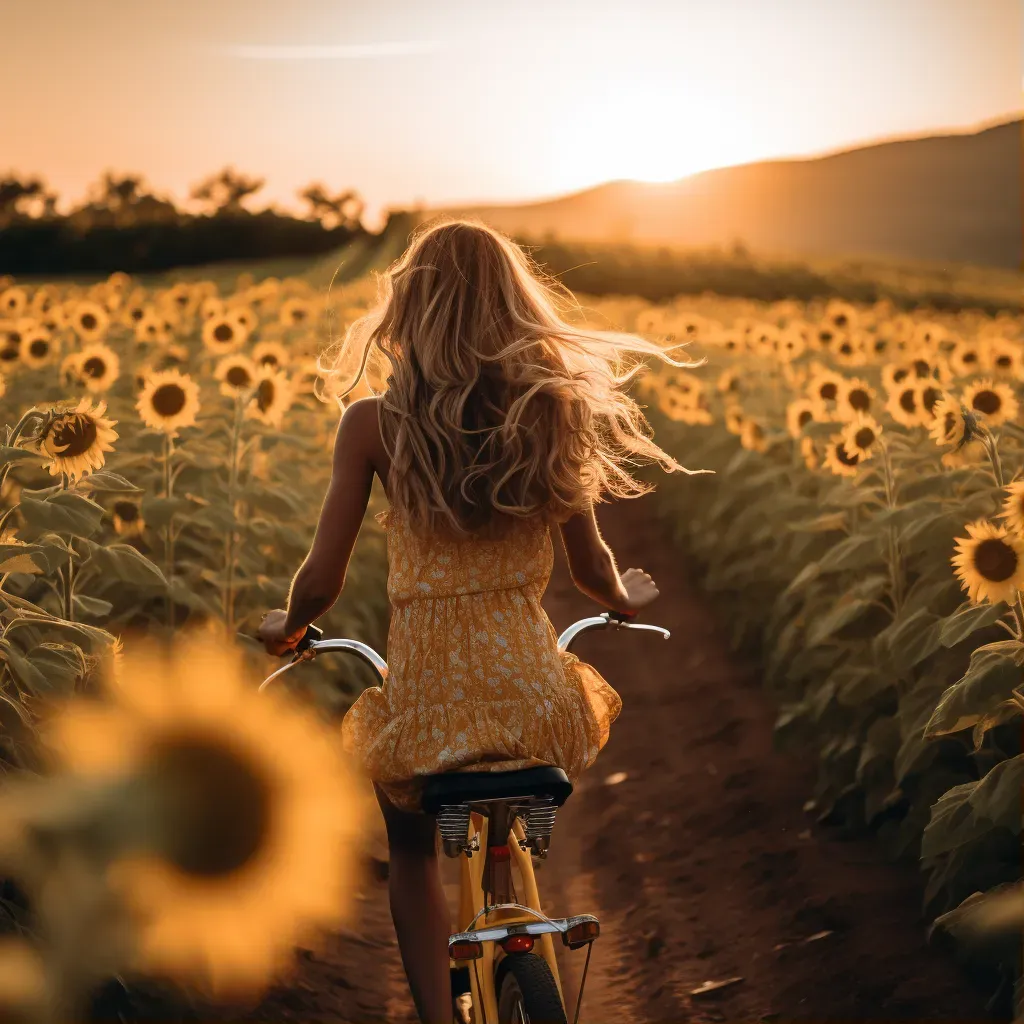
column 498, row 421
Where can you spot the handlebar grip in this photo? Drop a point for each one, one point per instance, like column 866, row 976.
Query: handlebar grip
column 309, row 638
column 622, row 616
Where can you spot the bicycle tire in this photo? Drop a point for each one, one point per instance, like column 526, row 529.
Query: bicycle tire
column 525, row 982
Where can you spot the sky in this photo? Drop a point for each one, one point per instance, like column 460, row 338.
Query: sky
column 448, row 101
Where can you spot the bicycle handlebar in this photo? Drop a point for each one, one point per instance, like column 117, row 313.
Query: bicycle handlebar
column 312, row 643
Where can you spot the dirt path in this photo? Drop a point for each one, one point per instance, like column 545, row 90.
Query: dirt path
column 700, row 864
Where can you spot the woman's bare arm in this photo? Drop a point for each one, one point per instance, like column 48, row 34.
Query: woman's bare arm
column 320, row 579
column 593, row 570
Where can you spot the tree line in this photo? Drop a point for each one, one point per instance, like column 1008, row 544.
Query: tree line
column 122, row 224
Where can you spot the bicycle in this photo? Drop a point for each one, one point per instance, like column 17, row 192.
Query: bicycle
column 509, row 818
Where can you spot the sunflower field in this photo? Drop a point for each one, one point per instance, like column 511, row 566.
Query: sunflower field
column 163, row 459
column 164, row 462
column 863, row 533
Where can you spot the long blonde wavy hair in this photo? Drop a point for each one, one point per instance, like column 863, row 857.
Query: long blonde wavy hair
column 494, row 407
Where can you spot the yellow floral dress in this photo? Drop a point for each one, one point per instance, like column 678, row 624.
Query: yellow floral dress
column 476, row 681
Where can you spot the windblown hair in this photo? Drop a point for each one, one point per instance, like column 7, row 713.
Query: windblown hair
column 495, row 407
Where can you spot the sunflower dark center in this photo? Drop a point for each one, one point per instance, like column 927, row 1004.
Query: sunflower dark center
column 969, row 357
column 73, row 435
column 864, row 438
column 995, row 560
column 95, row 367
column 126, row 511
column 922, row 368
column 265, row 395
column 168, row 400
column 1004, row 362
column 237, row 377
column 987, row 402
column 949, row 424
column 930, row 398
column 828, row 391
column 137, row 313
column 38, row 348
column 217, row 803
column 89, row 321
column 845, row 457
column 223, row 332
column 900, row 375
column 908, row 401
column 859, row 399
column 846, row 348
column 269, row 359
column 804, row 418
column 842, row 320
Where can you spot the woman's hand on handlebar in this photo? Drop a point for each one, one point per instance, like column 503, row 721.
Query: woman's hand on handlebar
column 640, row 589
column 272, row 633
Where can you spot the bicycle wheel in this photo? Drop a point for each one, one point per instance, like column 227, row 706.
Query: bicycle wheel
column 527, row 993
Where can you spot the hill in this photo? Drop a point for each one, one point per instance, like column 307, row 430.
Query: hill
column 944, row 198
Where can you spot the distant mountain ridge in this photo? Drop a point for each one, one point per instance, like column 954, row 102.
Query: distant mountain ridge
column 942, row 198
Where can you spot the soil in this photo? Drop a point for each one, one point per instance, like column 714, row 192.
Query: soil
column 688, row 840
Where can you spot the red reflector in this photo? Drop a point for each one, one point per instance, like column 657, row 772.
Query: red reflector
column 518, row 944
column 465, row 950
column 582, row 933
column 500, row 852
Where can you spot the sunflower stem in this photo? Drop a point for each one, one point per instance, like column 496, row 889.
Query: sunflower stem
column 169, row 534
column 895, row 558
column 229, row 541
column 991, row 444
column 69, row 568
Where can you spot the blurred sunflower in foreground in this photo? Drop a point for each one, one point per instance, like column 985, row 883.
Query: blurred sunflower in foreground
column 76, row 438
column 239, row 822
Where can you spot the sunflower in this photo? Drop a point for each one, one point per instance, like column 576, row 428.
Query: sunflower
column 968, row 358
column 996, row 402
column 848, row 349
column 295, row 312
column 244, row 316
column 224, row 334
column 953, row 424
column 839, row 459
column 860, row 436
column 903, row 405
column 824, row 386
column 37, row 347
column 732, row 340
column 13, row 301
column 10, row 341
column 98, row 367
column 752, row 436
column 734, row 419
column 168, row 402
column 809, row 452
column 237, row 375
column 270, row 353
column 841, row 316
column 895, row 375
column 989, row 563
column 1013, row 507
column 90, row 321
column 929, row 394
column 799, row 413
column 855, row 397
column 152, row 327
column 128, row 521
column 1005, row 358
column 244, row 841
column 75, row 438
column 273, row 397
column 212, row 306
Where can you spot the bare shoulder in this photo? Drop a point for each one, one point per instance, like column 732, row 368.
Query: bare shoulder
column 359, row 435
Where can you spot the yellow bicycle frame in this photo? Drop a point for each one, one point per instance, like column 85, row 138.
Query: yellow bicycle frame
column 471, row 906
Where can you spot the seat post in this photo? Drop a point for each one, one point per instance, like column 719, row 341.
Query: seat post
column 496, row 879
